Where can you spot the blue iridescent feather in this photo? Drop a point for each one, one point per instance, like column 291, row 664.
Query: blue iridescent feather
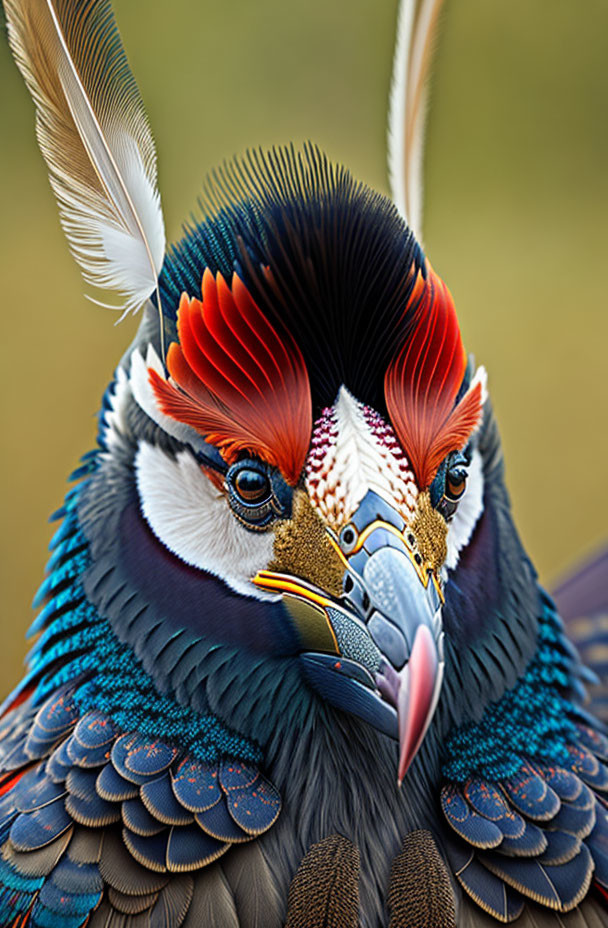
column 537, row 718
column 76, row 642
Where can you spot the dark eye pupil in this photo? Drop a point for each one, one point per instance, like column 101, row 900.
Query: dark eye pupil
column 456, row 482
column 252, row 486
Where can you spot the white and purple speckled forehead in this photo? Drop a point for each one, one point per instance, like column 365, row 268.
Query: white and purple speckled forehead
column 354, row 450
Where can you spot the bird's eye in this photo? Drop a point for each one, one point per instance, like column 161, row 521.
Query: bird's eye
column 257, row 494
column 452, row 483
column 252, row 487
column 455, row 483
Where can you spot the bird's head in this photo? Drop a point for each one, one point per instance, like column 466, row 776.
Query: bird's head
column 305, row 464
column 303, row 493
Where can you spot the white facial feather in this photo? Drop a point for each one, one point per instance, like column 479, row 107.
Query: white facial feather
column 467, row 515
column 355, row 462
column 481, row 377
column 192, row 519
column 115, row 425
column 145, row 399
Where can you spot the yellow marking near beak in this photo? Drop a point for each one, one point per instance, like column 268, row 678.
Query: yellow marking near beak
column 438, row 588
column 268, row 580
column 378, row 523
column 338, row 550
column 303, row 605
column 423, row 573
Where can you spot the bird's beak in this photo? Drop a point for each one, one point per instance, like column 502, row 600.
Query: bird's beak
column 377, row 651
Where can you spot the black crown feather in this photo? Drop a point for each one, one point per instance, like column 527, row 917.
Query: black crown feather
column 323, row 252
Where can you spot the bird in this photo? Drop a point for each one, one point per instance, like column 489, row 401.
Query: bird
column 292, row 664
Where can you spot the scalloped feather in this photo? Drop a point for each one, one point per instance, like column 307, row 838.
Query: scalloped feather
column 95, row 138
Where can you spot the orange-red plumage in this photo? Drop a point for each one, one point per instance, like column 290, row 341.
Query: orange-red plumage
column 21, row 697
column 237, row 380
column 11, row 779
column 422, row 383
column 22, row 920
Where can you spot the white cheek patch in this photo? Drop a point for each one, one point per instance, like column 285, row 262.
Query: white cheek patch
column 192, row 518
column 467, row 514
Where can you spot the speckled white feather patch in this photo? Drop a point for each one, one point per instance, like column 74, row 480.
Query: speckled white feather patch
column 352, row 451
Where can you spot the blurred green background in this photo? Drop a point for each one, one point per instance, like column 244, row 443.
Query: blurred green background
column 517, row 196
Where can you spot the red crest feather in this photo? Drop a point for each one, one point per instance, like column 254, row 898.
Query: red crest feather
column 422, row 383
column 237, row 380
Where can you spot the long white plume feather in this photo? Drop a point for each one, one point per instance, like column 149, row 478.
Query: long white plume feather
column 416, row 31
column 95, row 138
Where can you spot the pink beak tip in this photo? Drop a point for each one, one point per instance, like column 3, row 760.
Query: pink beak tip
column 415, row 703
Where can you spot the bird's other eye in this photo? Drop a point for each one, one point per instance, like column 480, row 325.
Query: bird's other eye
column 257, row 493
column 252, row 487
column 455, row 483
column 451, row 483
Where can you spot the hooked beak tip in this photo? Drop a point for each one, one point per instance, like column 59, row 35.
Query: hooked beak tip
column 419, row 685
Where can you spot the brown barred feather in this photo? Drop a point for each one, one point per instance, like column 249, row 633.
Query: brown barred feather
column 325, row 890
column 85, row 846
column 129, row 904
column 420, row 892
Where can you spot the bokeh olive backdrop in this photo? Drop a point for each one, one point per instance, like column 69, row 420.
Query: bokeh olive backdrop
column 517, row 196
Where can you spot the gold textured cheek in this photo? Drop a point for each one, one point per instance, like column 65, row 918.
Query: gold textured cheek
column 302, row 548
column 430, row 531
